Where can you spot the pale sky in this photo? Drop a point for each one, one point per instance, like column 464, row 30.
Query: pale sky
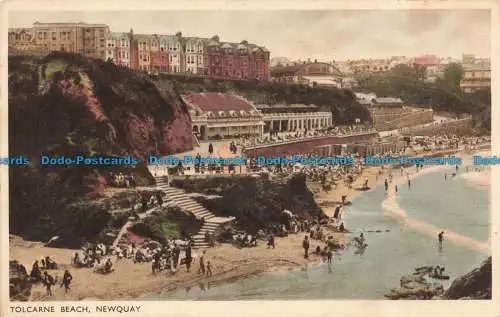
column 322, row 35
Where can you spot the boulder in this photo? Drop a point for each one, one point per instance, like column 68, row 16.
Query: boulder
column 19, row 282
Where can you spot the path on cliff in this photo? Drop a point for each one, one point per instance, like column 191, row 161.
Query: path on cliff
column 211, row 224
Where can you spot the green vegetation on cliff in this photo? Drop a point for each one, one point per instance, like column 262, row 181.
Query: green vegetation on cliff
column 444, row 95
column 66, row 104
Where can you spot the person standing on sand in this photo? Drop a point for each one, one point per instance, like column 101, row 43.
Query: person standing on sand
column 270, row 242
column 409, row 183
column 48, row 280
column 305, row 245
column 445, row 176
column 386, row 184
column 209, row 269
column 440, row 237
column 201, row 270
column 67, row 278
column 210, row 149
column 329, row 255
column 189, row 257
column 396, row 188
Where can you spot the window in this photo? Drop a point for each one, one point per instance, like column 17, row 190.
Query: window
column 54, row 37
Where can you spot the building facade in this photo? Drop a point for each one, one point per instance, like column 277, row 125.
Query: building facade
column 146, row 52
column 118, row 49
column 44, row 38
column 475, row 78
column 195, row 49
column 218, row 116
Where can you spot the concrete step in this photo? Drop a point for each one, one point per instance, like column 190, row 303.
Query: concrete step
column 206, row 217
column 188, row 203
column 202, row 214
column 200, row 209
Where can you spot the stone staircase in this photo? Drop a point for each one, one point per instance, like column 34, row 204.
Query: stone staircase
column 178, row 197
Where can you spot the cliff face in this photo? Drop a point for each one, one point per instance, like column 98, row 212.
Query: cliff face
column 255, row 202
column 474, row 285
column 65, row 104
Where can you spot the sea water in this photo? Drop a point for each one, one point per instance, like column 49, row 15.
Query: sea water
column 394, row 251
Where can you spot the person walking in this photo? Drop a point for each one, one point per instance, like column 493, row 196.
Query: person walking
column 209, row 269
column 48, row 280
column 210, row 149
column 67, row 278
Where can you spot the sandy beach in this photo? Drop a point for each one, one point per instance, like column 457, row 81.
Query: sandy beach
column 132, row 280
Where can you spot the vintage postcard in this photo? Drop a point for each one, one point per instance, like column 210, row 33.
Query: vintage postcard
column 197, row 157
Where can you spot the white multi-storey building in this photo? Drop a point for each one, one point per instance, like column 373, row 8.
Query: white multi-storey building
column 194, row 61
column 175, row 54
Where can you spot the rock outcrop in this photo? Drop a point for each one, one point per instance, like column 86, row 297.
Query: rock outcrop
column 255, row 202
column 474, row 285
column 66, row 104
column 416, row 286
column 19, row 282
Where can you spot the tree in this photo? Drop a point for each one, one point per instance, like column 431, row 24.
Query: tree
column 453, row 75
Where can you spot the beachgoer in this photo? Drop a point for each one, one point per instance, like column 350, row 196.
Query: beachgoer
column 440, row 237
column 48, row 280
column 210, row 149
column 305, row 245
column 67, row 278
column 329, row 256
column 270, row 242
column 209, row 269
column 445, row 176
column 318, row 250
column 201, row 270
column 409, row 183
column 189, row 257
column 396, row 188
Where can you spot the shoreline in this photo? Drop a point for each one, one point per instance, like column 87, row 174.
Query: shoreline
column 393, row 209
column 229, row 262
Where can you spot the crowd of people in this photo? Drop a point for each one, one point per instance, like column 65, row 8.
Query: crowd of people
column 122, row 180
column 274, row 137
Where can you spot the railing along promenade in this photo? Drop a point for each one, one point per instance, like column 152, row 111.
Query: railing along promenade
column 306, row 139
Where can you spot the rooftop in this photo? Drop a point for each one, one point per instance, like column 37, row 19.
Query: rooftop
column 215, row 102
column 286, row 106
column 382, row 100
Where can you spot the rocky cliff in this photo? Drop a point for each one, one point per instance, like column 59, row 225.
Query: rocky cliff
column 474, row 285
column 66, row 104
column 420, row 285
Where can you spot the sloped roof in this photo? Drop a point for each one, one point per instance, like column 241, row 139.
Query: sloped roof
column 388, row 100
column 215, row 102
